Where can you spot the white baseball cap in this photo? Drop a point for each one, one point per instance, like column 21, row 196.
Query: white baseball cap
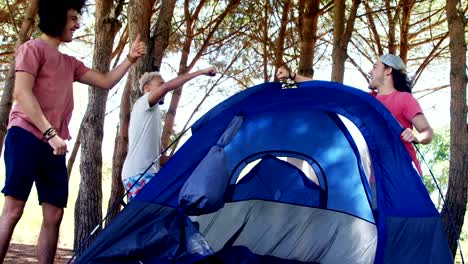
column 393, row 61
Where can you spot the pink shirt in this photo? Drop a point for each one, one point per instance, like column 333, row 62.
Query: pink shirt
column 404, row 108
column 54, row 74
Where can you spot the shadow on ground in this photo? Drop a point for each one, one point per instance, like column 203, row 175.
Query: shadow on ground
column 25, row 254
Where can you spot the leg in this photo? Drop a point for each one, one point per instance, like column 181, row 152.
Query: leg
column 52, row 191
column 21, row 163
column 48, row 237
column 11, row 214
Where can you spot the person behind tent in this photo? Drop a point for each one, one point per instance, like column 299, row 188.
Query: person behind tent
column 391, row 86
column 144, row 132
column 38, row 126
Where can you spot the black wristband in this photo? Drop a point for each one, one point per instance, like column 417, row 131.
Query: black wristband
column 49, row 133
column 51, row 136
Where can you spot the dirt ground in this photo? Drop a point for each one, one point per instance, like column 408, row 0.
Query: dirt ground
column 25, row 254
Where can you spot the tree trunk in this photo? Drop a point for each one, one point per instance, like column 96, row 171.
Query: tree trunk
column 458, row 176
column 184, row 66
column 279, row 49
column 118, row 158
column 162, row 32
column 407, row 7
column 139, row 16
column 7, row 98
column 265, row 39
column 392, row 22
column 342, row 30
column 89, row 202
column 338, row 54
column 120, row 46
column 76, row 146
column 309, row 37
column 375, row 34
column 139, row 19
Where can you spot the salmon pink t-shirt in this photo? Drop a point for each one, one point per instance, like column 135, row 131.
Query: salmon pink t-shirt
column 404, row 108
column 54, row 74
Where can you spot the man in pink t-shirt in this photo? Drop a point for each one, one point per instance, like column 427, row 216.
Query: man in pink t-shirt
column 391, row 86
column 34, row 146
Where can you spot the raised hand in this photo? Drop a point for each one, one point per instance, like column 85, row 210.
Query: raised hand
column 210, row 71
column 138, row 48
column 282, row 73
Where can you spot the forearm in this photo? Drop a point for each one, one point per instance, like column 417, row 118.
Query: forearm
column 180, row 80
column 157, row 94
column 30, row 106
column 283, row 73
column 424, row 131
column 112, row 77
column 425, row 137
column 300, row 78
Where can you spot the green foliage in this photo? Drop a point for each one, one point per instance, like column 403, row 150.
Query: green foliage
column 8, row 35
column 437, row 156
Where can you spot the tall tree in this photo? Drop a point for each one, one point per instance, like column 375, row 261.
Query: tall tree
column 279, row 50
column 88, row 206
column 202, row 35
column 12, row 16
column 407, row 7
column 162, row 31
column 266, row 37
column 422, row 38
column 139, row 20
column 392, row 19
column 7, row 99
column 342, row 30
column 308, row 29
column 458, row 170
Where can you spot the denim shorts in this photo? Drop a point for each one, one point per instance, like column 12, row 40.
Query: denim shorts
column 135, row 183
column 29, row 160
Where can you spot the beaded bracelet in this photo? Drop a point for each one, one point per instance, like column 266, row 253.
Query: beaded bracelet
column 49, row 133
column 51, row 136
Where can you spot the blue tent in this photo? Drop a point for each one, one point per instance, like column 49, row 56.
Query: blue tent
column 229, row 195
